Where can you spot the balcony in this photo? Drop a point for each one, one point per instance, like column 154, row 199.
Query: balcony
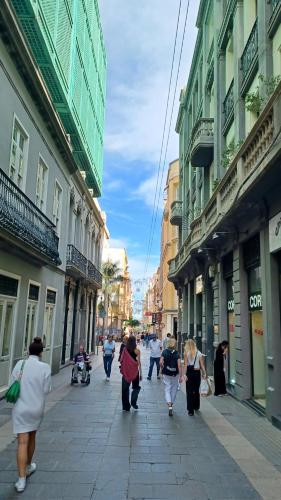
column 176, row 213
column 250, row 59
column 275, row 19
column 93, row 274
column 24, row 226
column 76, row 263
column 228, row 107
column 202, row 148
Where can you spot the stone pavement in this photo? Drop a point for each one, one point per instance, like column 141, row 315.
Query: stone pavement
column 87, row 448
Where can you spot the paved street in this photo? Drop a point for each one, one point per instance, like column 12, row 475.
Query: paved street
column 89, row 449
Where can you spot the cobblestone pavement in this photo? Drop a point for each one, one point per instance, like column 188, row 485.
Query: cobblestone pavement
column 87, row 448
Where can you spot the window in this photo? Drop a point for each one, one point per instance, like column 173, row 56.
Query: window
column 8, row 294
column 49, row 317
column 18, row 156
column 57, row 206
column 31, row 315
column 41, row 185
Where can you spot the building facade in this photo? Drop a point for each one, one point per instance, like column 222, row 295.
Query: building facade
column 227, row 269
column 169, row 246
column 152, row 306
column 50, row 225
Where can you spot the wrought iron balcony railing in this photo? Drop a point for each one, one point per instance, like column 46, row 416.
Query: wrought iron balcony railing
column 76, row 263
column 250, row 53
column 176, row 213
column 93, row 274
column 275, row 4
column 23, row 221
column 228, row 105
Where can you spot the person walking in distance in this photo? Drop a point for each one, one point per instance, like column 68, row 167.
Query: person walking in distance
column 166, row 340
column 131, row 374
column 219, row 373
column 193, row 366
column 108, row 355
column 171, row 369
column 29, row 409
column 155, row 355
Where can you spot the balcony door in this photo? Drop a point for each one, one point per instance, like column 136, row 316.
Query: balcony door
column 8, row 298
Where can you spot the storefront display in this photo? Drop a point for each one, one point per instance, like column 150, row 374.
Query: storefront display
column 231, row 332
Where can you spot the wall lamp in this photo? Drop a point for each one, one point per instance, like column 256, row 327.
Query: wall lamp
column 219, row 233
column 202, row 249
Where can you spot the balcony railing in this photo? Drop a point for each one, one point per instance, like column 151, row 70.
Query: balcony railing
column 202, row 148
column 228, row 106
column 249, row 57
column 76, row 262
column 93, row 274
column 176, row 213
column 245, row 168
column 275, row 4
column 21, row 219
column 274, row 21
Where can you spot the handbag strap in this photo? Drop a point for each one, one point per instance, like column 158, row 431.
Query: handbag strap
column 21, row 369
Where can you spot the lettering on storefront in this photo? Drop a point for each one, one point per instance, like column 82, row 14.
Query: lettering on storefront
column 275, row 233
column 255, row 302
column 230, row 305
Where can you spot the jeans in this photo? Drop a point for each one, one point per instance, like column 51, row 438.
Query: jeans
column 107, row 362
column 126, row 393
column 171, row 388
column 152, row 361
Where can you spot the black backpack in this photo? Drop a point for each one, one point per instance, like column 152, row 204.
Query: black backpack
column 170, row 362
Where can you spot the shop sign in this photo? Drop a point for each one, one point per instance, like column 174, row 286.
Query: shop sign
column 199, row 288
column 230, row 305
column 255, row 301
column 275, row 233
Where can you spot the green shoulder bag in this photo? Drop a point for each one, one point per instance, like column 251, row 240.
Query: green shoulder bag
column 12, row 394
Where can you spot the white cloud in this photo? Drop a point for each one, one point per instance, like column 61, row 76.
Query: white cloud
column 137, row 266
column 139, row 39
column 146, row 192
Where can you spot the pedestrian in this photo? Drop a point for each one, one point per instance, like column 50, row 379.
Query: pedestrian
column 108, row 355
column 122, row 346
column 146, row 340
column 166, row 340
column 81, row 362
column 219, row 370
column 193, row 365
column 131, row 374
column 171, row 369
column 155, row 355
column 27, row 414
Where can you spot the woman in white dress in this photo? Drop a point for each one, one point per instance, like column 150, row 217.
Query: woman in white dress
column 29, row 409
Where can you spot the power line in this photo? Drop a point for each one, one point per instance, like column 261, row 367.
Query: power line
column 163, row 137
column 154, row 217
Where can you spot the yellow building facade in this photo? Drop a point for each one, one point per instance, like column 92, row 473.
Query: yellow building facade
column 169, row 248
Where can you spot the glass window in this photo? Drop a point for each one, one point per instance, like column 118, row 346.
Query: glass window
column 31, row 315
column 49, row 318
column 41, row 185
column 57, row 206
column 6, row 325
column 18, row 156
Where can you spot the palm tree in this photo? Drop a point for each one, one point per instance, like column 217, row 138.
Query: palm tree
column 110, row 277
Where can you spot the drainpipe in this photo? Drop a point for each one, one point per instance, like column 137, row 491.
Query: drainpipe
column 67, row 289
column 74, row 318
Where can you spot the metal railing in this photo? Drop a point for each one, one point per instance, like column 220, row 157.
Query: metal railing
column 228, row 103
column 275, row 4
column 94, row 274
column 22, row 219
column 76, row 259
column 251, row 50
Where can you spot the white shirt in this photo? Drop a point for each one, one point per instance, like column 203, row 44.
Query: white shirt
column 190, row 360
column 155, row 348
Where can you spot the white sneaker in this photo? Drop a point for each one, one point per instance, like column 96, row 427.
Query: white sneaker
column 20, row 484
column 30, row 469
column 107, row 378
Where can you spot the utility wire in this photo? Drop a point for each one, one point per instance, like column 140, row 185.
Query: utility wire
column 163, row 138
column 154, row 219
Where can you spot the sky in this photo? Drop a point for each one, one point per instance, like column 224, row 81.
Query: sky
column 139, row 38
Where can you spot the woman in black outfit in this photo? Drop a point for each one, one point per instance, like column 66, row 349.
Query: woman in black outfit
column 131, row 347
column 219, row 375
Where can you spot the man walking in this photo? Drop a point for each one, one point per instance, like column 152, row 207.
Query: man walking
column 166, row 340
column 155, row 355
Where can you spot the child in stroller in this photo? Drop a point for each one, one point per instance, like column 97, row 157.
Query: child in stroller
column 82, row 365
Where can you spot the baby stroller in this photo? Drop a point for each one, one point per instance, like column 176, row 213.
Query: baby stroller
column 81, row 370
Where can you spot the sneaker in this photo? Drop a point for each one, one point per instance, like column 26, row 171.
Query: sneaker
column 170, row 411
column 107, row 378
column 30, row 469
column 148, row 378
column 135, row 407
column 20, row 484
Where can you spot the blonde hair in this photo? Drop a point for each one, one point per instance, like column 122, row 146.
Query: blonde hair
column 171, row 343
column 190, row 347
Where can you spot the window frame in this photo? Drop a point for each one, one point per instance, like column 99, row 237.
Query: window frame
column 54, row 216
column 28, row 302
column 53, row 306
column 17, row 121
column 41, row 160
column 9, row 357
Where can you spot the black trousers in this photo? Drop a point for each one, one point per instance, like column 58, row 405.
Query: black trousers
column 192, row 390
column 126, row 392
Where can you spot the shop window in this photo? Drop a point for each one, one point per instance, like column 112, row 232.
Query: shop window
column 31, row 315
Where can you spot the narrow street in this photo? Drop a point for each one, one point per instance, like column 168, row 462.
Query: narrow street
column 88, row 448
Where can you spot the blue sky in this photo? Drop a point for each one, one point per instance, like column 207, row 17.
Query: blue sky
column 139, row 37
